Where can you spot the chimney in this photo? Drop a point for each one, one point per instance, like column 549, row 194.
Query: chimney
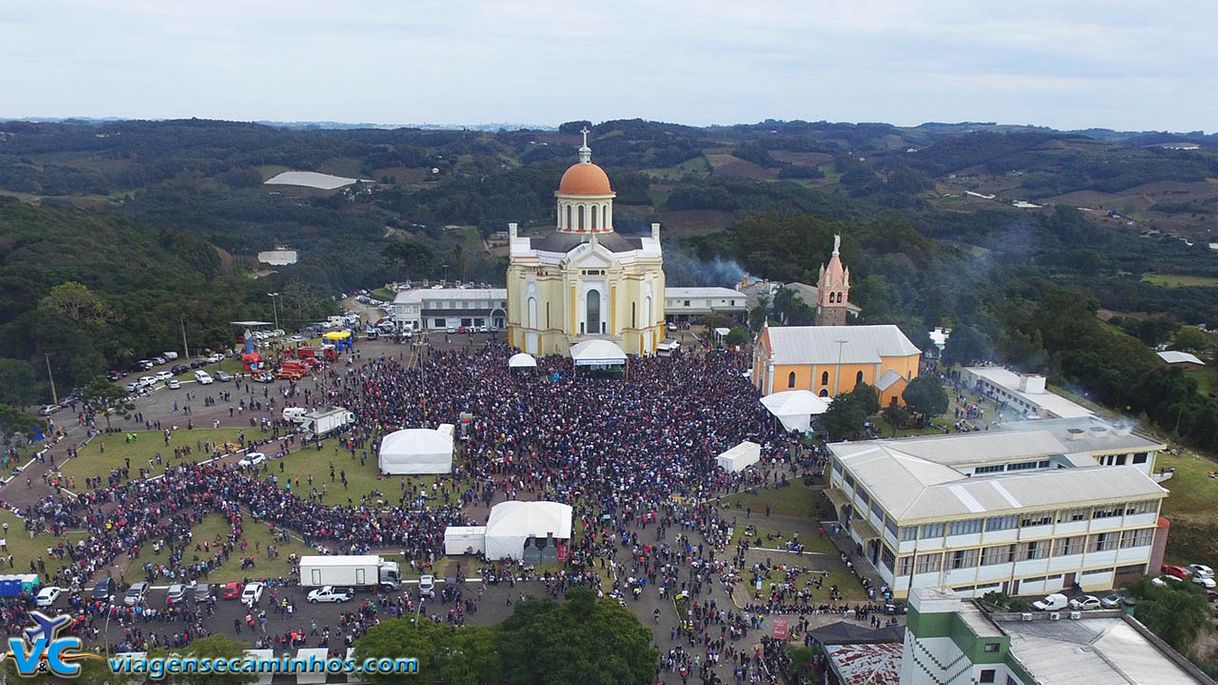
column 512, row 230
column 655, row 231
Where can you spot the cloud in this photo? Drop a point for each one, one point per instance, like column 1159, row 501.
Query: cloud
column 1118, row 63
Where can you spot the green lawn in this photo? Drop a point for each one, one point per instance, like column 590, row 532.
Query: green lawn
column 1207, row 379
column 887, row 430
column 1180, row 280
column 362, row 480
column 794, row 500
column 777, row 539
column 383, row 293
column 92, row 462
column 257, row 536
column 1190, row 508
column 25, row 549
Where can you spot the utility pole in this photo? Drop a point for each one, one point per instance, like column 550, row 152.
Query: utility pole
column 274, row 308
column 54, row 396
column 185, row 346
column 837, row 375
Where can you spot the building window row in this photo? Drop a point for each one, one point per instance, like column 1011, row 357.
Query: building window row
column 1011, row 521
column 1026, row 551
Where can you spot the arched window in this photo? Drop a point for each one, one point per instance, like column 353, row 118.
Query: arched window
column 791, row 380
column 595, row 216
column 824, row 392
column 594, row 311
column 858, row 378
column 581, row 217
column 824, row 378
column 533, row 312
column 568, row 217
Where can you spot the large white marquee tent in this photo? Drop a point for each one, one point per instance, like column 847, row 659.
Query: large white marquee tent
column 794, row 409
column 597, row 352
column 418, row 451
column 511, row 523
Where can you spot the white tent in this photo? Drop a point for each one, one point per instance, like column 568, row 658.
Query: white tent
column 511, row 523
column 740, row 457
column 459, row 539
column 418, row 450
column 597, row 352
column 795, row 408
column 522, row 360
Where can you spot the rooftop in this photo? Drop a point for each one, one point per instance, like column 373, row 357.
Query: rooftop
column 431, row 294
column 727, row 293
column 866, row 664
column 1177, row 357
column 829, row 344
column 1048, row 401
column 1087, row 435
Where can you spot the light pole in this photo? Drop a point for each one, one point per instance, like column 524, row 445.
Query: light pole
column 837, row 375
column 54, row 396
column 274, row 308
column 445, row 279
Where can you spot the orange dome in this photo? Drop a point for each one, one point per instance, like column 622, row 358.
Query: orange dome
column 584, row 179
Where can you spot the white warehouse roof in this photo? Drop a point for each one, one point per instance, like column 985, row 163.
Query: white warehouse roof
column 1178, row 357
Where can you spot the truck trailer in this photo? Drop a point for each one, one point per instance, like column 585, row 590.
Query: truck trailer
column 359, row 571
column 323, row 422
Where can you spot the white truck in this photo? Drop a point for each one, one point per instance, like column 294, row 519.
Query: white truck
column 322, row 422
column 359, row 571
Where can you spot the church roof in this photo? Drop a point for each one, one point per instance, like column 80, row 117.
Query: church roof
column 565, row 242
column 820, row 344
column 584, row 178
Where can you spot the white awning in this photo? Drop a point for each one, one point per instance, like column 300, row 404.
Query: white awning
column 522, row 360
column 795, row 408
column 417, row 450
column 597, row 353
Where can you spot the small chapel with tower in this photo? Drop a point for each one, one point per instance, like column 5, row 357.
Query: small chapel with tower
column 584, row 281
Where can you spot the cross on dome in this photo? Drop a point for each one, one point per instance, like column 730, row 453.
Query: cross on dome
column 585, row 152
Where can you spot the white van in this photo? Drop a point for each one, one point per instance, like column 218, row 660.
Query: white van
column 294, row 414
column 203, row 377
column 170, row 355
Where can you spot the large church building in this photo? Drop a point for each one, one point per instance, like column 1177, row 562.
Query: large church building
column 584, row 281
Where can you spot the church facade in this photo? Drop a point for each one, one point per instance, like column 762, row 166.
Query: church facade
column 584, row 281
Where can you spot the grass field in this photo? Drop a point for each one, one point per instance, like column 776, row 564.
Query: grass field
column 696, row 167
column 1180, row 281
column 811, row 541
column 383, row 293
column 1207, row 379
column 257, row 536
column 794, row 500
column 888, row 431
column 1190, row 508
column 26, row 549
column 91, row 462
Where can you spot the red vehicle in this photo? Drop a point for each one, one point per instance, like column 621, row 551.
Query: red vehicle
column 1177, row 571
column 231, row 590
column 463, row 329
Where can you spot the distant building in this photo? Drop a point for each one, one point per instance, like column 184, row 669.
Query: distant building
column 1025, row 394
column 442, row 308
column 690, row 304
column 278, row 257
column 1181, row 360
column 951, row 641
column 829, row 360
column 1030, row 509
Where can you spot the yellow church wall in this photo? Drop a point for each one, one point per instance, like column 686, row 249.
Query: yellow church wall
column 813, row 376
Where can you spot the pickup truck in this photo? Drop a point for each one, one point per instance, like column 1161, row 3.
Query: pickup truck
column 1053, row 602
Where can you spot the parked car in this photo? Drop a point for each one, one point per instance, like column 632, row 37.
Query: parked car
column 48, row 409
column 176, row 594
column 158, row 360
column 1054, row 602
column 1175, row 570
column 251, row 459
column 896, row 608
column 173, row 384
column 263, row 377
column 1085, row 603
column 1204, row 581
column 450, row 329
column 1116, row 600
column 163, row 375
column 179, row 369
column 47, row 596
column 103, row 591
column 330, row 594
column 203, row 592
column 114, row 375
column 203, row 377
column 135, row 593
column 427, row 586
column 132, row 386
column 231, row 590
column 147, row 381
column 144, row 364
column 251, row 594
column 198, row 363
column 1164, row 580
column 223, row 376
column 215, row 357
column 1201, row 570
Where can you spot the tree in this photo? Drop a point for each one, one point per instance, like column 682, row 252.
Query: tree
column 1192, row 339
column 867, row 397
column 739, row 335
column 896, row 415
column 758, row 314
column 77, row 303
column 1176, row 612
column 102, row 396
column 965, row 346
column 19, row 383
column 403, row 638
column 580, row 640
column 845, row 417
column 791, row 310
column 926, row 397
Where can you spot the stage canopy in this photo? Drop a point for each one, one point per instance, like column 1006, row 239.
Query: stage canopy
column 795, row 408
column 740, row 457
column 513, row 522
column 597, row 353
column 418, row 451
column 522, row 360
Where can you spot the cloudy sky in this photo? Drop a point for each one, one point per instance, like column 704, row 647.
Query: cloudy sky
column 1124, row 64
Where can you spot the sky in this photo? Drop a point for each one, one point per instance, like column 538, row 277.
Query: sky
column 1121, row 64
